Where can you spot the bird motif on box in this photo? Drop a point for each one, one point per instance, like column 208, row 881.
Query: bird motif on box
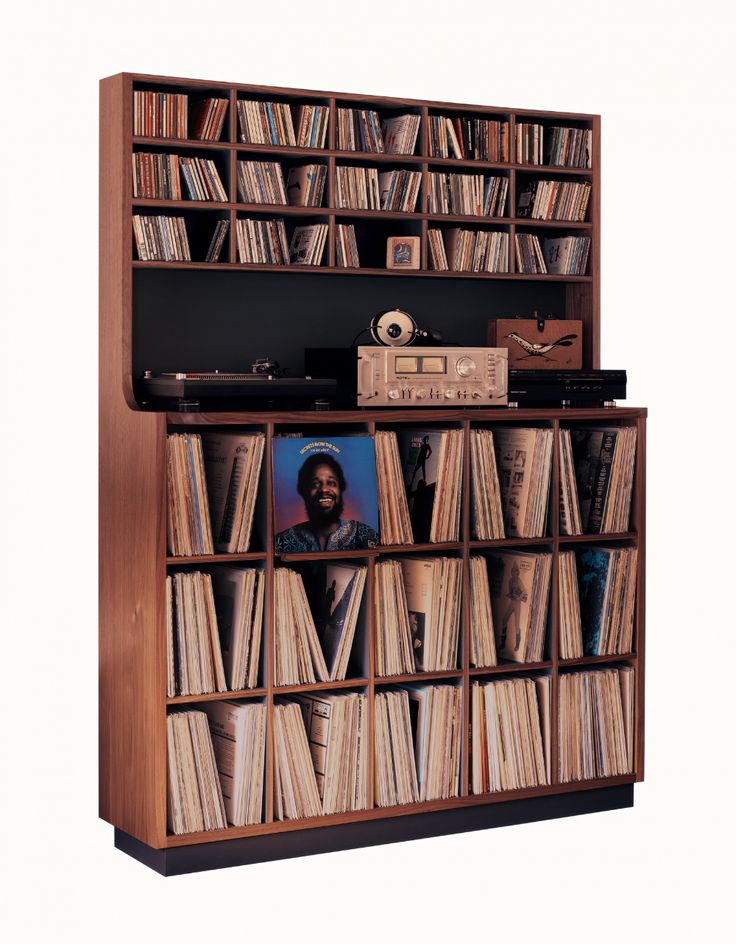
column 536, row 349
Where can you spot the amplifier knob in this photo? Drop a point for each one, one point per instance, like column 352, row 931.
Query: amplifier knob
column 421, row 394
column 465, row 366
column 449, row 394
column 476, row 395
column 394, row 394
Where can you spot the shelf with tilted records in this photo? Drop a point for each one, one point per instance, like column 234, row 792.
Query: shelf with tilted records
column 268, row 688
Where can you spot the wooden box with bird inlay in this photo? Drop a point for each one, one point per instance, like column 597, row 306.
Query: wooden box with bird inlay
column 539, row 343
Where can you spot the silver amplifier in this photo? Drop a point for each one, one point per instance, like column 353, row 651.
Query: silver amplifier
column 432, row 376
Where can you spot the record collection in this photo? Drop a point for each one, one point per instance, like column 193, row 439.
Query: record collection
column 207, row 118
column 265, row 123
column 596, row 727
column 464, row 250
column 156, row 176
column 192, row 634
column 356, row 188
column 566, row 255
column 305, row 185
column 482, row 637
column 399, row 190
column 607, row 581
column 239, row 594
column 359, row 130
column 160, row 115
column 195, row 800
column 261, row 182
column 510, row 733
column 395, row 767
column 394, row 643
column 298, row 655
column 432, row 586
column 432, row 460
column 596, row 479
column 232, row 463
column 400, row 134
column 529, row 255
column 553, row 200
column 524, row 462
column 238, row 732
column 346, row 246
column 520, row 583
column 393, row 507
column 201, row 179
column 261, row 241
column 189, row 531
column 470, row 139
column 222, row 227
column 334, row 593
column 436, row 718
column 308, row 244
column 486, row 508
column 570, row 632
column 161, row 238
column 467, row 194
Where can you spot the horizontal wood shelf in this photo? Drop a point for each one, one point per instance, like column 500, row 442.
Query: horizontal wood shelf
column 428, row 806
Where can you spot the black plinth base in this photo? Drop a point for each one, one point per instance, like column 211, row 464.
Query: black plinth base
column 218, row 855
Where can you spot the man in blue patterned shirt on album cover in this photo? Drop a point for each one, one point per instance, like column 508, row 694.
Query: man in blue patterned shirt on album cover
column 321, row 484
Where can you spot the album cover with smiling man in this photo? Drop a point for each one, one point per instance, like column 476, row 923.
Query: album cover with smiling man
column 325, row 494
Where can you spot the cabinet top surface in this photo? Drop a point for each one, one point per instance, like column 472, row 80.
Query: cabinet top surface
column 143, row 78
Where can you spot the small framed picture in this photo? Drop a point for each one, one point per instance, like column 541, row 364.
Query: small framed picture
column 403, row 252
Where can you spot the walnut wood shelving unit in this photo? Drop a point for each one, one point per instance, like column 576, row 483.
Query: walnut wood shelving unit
column 177, row 316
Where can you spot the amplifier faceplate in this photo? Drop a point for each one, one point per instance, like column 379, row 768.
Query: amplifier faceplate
column 429, row 376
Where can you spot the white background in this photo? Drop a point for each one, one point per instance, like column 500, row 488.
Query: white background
column 660, row 75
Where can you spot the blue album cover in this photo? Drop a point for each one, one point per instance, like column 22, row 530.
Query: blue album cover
column 593, row 565
column 325, row 494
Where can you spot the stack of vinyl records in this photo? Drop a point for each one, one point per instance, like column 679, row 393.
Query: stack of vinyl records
column 393, row 508
column 201, row 179
column 472, row 139
column 311, row 125
column 436, row 712
column 554, row 200
column 569, row 147
column 519, row 595
column 305, row 185
column 308, row 244
column 529, row 143
column 524, row 461
column 299, row 659
column 400, row 134
column 433, row 597
column 571, row 639
column 194, row 793
column 346, row 246
column 399, row 190
column 161, row 238
column 482, row 639
column 261, row 182
column 262, row 241
column 508, row 718
column 192, row 633
column 607, row 581
column 295, row 789
column 395, row 767
column 238, row 732
column 233, row 465
column 334, row 593
column 217, row 241
column 469, row 250
column 566, row 255
column 486, row 510
column 188, row 521
column 239, row 593
column 394, row 646
column 357, row 188
column 265, row 123
column 467, row 194
column 337, row 731
column 160, row 114
column 432, row 460
column 321, row 753
column 156, row 176
column 359, row 130
column 207, row 118
column 529, row 255
column 596, row 724
column 596, row 479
